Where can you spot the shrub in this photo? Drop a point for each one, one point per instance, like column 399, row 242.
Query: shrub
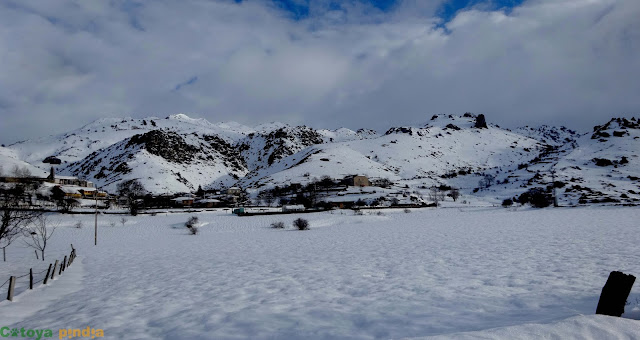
column 358, row 212
column 277, row 225
column 537, row 197
column 192, row 221
column 193, row 230
column 78, row 225
column 301, row 224
column 192, row 225
column 507, row 203
column 407, row 210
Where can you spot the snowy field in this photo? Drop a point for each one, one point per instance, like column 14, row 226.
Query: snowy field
column 452, row 273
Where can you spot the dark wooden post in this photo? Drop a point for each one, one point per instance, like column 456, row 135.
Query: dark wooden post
column 54, row 270
column 12, row 284
column 31, row 278
column 64, row 263
column 614, row 294
column 46, row 278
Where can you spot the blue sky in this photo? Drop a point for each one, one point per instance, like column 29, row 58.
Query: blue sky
column 298, row 9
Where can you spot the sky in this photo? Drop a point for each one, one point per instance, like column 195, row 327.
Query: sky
column 325, row 63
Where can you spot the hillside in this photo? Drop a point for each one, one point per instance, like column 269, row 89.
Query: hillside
column 179, row 153
column 164, row 161
column 446, row 147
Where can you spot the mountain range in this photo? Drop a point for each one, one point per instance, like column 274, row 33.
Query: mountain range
column 179, row 154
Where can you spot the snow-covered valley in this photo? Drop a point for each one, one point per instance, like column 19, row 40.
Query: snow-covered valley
column 498, row 273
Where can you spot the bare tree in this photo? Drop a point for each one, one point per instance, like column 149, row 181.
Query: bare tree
column 486, row 181
column 20, row 171
column 14, row 216
column 436, row 195
column 40, row 233
column 454, row 194
column 131, row 190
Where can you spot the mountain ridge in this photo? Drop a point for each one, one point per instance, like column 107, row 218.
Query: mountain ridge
column 179, row 153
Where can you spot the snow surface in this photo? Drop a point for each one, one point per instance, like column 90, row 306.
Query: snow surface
column 9, row 160
column 497, row 273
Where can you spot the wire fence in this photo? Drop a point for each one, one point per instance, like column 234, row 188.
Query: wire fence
column 16, row 285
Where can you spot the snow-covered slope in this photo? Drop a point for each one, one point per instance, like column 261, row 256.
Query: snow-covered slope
column 79, row 143
column 164, row 162
column 447, row 145
column 262, row 149
column 605, row 167
column 9, row 160
column 179, row 153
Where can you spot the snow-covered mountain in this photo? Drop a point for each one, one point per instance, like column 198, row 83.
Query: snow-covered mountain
column 179, row 153
column 606, row 165
column 447, row 145
column 164, row 161
column 10, row 162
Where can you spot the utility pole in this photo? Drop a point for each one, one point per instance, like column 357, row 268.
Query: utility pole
column 555, row 196
column 95, row 233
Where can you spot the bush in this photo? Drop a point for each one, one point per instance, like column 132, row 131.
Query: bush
column 192, row 225
column 358, row 212
column 78, row 225
column 193, row 230
column 301, row 224
column 277, row 225
column 507, row 203
column 192, row 221
column 407, row 210
column 537, row 197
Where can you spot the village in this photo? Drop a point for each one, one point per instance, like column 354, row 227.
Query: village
column 68, row 194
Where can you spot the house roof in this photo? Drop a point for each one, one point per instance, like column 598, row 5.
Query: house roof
column 181, row 199
column 209, row 200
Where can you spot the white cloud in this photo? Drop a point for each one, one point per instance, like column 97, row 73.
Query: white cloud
column 66, row 63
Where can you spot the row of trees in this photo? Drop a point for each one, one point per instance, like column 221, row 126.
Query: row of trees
column 16, row 171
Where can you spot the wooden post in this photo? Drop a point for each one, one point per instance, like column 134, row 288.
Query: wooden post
column 46, row 278
column 31, row 278
column 60, row 269
column 54, row 270
column 12, row 284
column 614, row 294
column 64, row 263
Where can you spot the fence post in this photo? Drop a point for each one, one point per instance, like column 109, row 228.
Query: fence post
column 12, row 284
column 54, row 270
column 64, row 263
column 614, row 294
column 46, row 278
column 60, row 269
column 30, row 278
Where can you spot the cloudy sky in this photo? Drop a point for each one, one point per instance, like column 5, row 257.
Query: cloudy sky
column 324, row 63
